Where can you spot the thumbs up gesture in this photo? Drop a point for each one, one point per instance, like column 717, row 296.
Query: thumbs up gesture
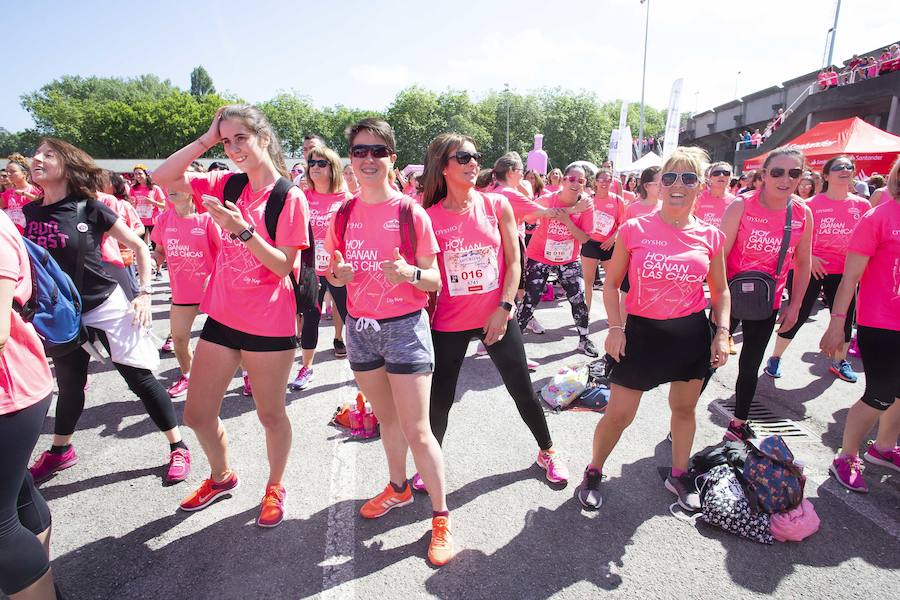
column 397, row 270
column 341, row 271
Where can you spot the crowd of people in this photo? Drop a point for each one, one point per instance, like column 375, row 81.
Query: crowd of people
column 413, row 277
column 859, row 68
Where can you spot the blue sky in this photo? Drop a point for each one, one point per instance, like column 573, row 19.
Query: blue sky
column 361, row 53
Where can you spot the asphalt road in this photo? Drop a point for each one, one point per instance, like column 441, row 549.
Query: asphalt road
column 117, row 533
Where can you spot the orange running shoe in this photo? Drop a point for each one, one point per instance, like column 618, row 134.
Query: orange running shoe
column 386, row 501
column 271, row 513
column 440, row 550
column 208, row 491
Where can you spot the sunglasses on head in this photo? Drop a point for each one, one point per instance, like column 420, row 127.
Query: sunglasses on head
column 464, row 158
column 317, row 163
column 841, row 167
column 778, row 172
column 575, row 179
column 720, row 173
column 376, row 150
column 688, row 179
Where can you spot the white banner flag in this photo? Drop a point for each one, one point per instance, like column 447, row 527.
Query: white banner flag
column 613, row 144
column 673, row 122
column 622, row 160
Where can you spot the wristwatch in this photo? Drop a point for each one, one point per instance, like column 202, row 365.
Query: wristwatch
column 506, row 306
column 417, row 276
column 145, row 289
column 245, row 235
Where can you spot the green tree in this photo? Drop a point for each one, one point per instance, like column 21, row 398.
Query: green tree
column 201, row 82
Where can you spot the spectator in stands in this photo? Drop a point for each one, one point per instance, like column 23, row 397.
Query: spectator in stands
column 893, row 63
column 746, row 137
column 756, row 138
column 778, row 120
column 871, row 68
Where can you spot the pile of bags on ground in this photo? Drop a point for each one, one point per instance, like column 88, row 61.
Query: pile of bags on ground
column 580, row 387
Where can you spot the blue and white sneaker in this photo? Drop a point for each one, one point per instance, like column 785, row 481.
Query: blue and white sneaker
column 843, row 370
column 303, row 379
column 773, row 367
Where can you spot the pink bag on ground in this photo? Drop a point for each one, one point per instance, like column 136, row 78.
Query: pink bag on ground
column 795, row 525
column 549, row 294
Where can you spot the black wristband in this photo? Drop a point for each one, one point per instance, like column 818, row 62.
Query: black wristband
column 506, row 306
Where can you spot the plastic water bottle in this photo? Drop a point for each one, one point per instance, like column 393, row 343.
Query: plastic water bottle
column 370, row 423
column 357, row 414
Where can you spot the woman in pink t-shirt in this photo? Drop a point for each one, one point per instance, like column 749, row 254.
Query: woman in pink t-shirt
column 187, row 241
column 648, row 194
column 325, row 194
column 873, row 262
column 806, row 188
column 715, row 198
column 25, row 387
column 556, row 246
column 249, row 300
column 149, row 199
column 754, row 227
column 20, row 192
column 388, row 335
column 554, row 181
column 668, row 254
column 480, row 273
column 608, row 213
column 835, row 214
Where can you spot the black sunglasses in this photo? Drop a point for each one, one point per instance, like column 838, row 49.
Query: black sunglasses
column 778, row 172
column 376, row 150
column 464, row 158
column 720, row 173
column 841, row 167
column 317, row 163
column 688, row 179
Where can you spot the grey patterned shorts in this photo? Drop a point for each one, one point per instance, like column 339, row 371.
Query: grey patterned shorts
column 402, row 345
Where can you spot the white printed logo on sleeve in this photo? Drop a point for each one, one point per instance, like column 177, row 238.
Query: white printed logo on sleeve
column 559, row 250
column 322, row 258
column 603, row 223
column 472, row 271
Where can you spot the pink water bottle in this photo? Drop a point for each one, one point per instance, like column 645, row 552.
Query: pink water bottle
column 357, row 427
column 370, row 422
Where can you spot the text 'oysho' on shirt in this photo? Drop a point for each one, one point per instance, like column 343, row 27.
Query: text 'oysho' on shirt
column 471, row 261
column 190, row 244
column 878, row 236
column 242, row 292
column 373, row 231
column 668, row 265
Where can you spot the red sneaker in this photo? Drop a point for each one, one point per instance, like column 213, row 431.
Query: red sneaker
column 271, row 513
column 47, row 464
column 208, row 491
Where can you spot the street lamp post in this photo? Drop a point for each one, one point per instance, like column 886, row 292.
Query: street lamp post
column 643, row 81
column 507, row 116
column 736, row 78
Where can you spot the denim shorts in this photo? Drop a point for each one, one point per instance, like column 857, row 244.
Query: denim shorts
column 402, row 345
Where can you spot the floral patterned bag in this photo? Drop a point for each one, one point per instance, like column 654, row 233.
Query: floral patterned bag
column 725, row 505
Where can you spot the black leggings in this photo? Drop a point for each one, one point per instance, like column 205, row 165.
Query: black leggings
column 571, row 278
column 71, row 376
column 830, row 286
column 23, row 511
column 508, row 355
column 309, row 336
column 879, row 350
column 753, row 349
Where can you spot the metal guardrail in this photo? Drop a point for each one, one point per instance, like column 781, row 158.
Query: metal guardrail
column 744, row 145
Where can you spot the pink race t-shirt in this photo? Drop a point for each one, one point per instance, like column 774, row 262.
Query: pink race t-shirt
column 552, row 243
column 25, row 377
column 14, row 201
column 471, row 262
column 607, row 214
column 321, row 212
column 145, row 209
column 833, row 222
column 521, row 204
column 667, row 265
column 109, row 247
column 758, row 241
column 373, row 231
column 190, row 244
column 878, row 236
column 710, row 208
column 242, row 292
column 637, row 209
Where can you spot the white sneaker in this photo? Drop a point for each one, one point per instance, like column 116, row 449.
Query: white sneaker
column 535, row 327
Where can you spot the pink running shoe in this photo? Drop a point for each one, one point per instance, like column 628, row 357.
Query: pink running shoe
column 168, row 346
column 179, row 388
column 889, row 458
column 417, row 483
column 47, row 464
column 531, row 364
column 248, row 391
column 848, row 471
column 853, row 350
column 550, row 461
column 179, row 465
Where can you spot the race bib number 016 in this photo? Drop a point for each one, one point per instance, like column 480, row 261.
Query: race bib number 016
column 559, row 251
column 322, row 258
column 471, row 271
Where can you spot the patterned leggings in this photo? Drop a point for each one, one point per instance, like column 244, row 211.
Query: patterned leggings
column 571, row 279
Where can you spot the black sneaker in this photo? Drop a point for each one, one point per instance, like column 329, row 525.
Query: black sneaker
column 686, row 490
column 587, row 347
column 589, row 490
column 340, row 350
column 739, row 433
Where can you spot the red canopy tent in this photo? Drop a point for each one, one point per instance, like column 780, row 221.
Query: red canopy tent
column 873, row 149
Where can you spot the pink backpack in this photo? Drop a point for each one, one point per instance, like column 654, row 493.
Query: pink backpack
column 796, row 524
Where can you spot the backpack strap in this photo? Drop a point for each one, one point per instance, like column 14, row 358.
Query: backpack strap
column 275, row 204
column 234, row 186
column 785, row 239
column 341, row 218
column 80, row 217
column 27, row 310
column 408, row 241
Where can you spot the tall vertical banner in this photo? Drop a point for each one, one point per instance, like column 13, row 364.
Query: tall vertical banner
column 613, row 144
column 673, row 122
column 622, row 157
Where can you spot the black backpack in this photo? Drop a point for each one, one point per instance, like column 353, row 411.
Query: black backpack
column 306, row 290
